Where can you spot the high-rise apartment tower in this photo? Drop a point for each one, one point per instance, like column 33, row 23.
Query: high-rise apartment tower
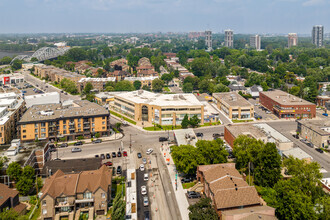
column 229, row 38
column 317, row 35
column 255, row 42
column 292, row 39
column 208, row 39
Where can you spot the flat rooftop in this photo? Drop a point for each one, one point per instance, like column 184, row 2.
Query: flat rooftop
column 9, row 95
column 246, row 129
column 109, row 79
column 272, row 132
column 320, row 126
column 141, row 78
column 48, row 94
column 49, row 112
column 146, row 97
column 297, row 153
column 232, row 99
column 180, row 137
column 102, row 95
column 284, row 98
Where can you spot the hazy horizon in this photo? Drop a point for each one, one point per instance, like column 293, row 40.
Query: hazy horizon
column 152, row 16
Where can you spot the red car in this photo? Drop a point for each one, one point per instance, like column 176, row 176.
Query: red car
column 125, row 153
column 109, row 163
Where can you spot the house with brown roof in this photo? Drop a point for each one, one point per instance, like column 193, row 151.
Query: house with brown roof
column 9, row 199
column 70, row 195
column 227, row 189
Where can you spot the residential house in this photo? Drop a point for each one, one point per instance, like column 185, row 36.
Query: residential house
column 9, row 198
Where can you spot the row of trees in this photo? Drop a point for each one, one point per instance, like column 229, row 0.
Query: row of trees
column 188, row 157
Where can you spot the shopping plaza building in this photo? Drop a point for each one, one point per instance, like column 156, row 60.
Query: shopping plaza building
column 163, row 109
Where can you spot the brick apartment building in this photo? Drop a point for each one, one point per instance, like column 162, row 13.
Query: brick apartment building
column 285, row 105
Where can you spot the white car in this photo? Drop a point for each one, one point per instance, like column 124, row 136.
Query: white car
column 143, row 190
column 146, row 177
column 144, row 160
column 149, row 151
column 142, row 167
column 145, row 201
column 75, row 149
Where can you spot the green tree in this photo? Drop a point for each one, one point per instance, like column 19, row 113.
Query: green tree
column 137, row 84
column 118, row 209
column 34, row 59
column 202, row 210
column 194, row 121
column 28, row 172
column 5, row 60
column 2, row 161
column 213, row 152
column 221, row 88
column 24, row 185
column 11, row 214
column 14, row 170
column 124, row 86
column 187, row 88
column 76, row 54
column 167, row 77
column 157, row 85
column 295, row 90
column 106, row 52
column 16, row 65
column 186, row 158
column 185, row 122
column 88, row 88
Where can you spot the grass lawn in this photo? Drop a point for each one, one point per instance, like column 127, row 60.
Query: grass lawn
column 36, row 213
column 240, row 121
column 210, row 124
column 167, row 127
column 167, row 89
column 188, row 185
column 121, row 116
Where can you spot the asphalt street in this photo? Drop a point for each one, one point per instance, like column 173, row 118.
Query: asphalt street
column 140, row 182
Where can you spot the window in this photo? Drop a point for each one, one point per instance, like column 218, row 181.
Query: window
column 103, row 128
column 103, row 122
column 93, row 129
column 24, row 126
column 36, row 125
column 44, row 211
column 79, row 120
column 43, row 124
column 93, row 125
column 103, row 195
column 64, row 121
column 87, row 195
column 35, row 130
column 64, row 127
column 43, row 129
column 44, row 202
column 36, row 136
column 24, row 131
column 24, row 136
column 93, row 119
column 103, row 117
column 64, row 132
column 43, row 135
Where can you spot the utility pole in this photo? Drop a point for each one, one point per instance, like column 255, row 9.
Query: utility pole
column 130, row 143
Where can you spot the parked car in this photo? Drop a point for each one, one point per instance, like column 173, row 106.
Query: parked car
column 96, row 156
column 114, row 154
column 139, row 155
column 108, row 156
column 118, row 154
column 75, row 149
column 78, row 143
column 146, row 215
column 145, row 201
column 296, row 136
column 193, row 194
column 97, row 141
column 146, row 177
column 142, row 167
column 149, row 151
column 325, row 114
column 268, row 112
column 109, row 163
column 143, row 190
column 102, row 156
column 125, row 153
column 199, row 134
column 186, row 180
column 119, row 170
column 319, row 150
column 162, row 139
column 144, row 160
column 63, row 145
column 216, row 135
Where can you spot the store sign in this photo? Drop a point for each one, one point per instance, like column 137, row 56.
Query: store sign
column 6, row 80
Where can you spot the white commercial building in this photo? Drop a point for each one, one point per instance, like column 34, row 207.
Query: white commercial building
column 255, row 42
column 11, row 78
column 45, row 98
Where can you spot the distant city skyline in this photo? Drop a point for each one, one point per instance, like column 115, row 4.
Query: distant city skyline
column 139, row 16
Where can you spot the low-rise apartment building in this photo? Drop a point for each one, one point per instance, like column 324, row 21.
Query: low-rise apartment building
column 285, row 105
column 12, row 108
column 104, row 98
column 55, row 74
column 69, row 195
column 315, row 131
column 53, row 121
column 145, row 81
column 97, row 83
column 227, row 189
column 163, row 109
column 234, row 105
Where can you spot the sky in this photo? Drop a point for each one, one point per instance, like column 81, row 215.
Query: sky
column 139, row 16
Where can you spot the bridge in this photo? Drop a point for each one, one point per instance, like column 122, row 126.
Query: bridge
column 44, row 53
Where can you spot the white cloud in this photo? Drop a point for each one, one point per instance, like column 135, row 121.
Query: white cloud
column 313, row 2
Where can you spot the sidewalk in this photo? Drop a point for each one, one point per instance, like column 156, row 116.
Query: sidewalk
column 180, row 193
column 104, row 139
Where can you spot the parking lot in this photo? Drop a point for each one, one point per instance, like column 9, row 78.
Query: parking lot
column 263, row 113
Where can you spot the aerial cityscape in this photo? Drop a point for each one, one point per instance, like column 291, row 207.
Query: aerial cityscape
column 165, row 110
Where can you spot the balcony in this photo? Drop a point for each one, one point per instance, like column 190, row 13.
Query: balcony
column 63, row 204
column 86, row 122
column 72, row 128
column 71, row 123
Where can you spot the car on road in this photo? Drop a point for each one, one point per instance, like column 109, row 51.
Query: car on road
column 256, row 116
column 143, row 190
column 102, row 156
column 296, row 136
column 216, row 135
column 65, row 93
column 149, row 151
column 139, row 155
column 268, row 112
column 108, row 156
column 146, row 215
column 186, row 180
column 144, row 160
column 118, row 154
column 145, row 201
column 97, row 141
column 162, row 139
column 142, row 167
column 307, row 143
column 96, row 156
column 146, row 177
column 193, row 194
column 119, row 170
column 319, row 150
column 63, row 145
column 325, row 114
column 75, row 149
column 114, row 154
column 199, row 134
column 109, row 163
column 78, row 143
column 125, row 153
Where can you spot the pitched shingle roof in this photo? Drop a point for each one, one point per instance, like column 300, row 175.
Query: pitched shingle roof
column 6, row 193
